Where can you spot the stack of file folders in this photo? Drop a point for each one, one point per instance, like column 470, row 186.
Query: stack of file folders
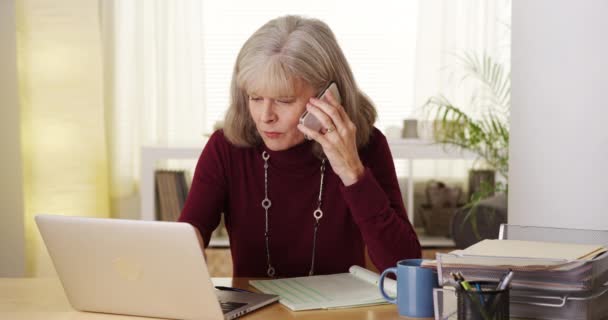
column 558, row 273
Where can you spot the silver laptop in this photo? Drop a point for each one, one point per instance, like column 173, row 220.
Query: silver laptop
column 143, row 268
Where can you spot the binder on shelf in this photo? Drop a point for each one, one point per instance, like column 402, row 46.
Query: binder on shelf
column 171, row 192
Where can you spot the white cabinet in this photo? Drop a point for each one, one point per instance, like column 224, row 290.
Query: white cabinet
column 409, row 149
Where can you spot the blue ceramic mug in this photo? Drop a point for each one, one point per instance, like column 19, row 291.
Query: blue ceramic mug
column 414, row 288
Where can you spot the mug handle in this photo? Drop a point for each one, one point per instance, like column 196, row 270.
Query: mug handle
column 381, row 283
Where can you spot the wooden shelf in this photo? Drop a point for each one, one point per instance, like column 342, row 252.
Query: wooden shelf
column 425, row 241
column 409, row 149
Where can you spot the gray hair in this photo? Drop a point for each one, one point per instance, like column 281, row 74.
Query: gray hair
column 283, row 50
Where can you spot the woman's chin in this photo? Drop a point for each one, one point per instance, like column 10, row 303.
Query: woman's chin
column 281, row 144
column 276, row 145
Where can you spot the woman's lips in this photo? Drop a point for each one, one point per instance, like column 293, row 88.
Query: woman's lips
column 272, row 135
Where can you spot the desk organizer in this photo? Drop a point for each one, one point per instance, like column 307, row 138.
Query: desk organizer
column 534, row 274
column 534, row 304
column 541, row 288
column 565, row 306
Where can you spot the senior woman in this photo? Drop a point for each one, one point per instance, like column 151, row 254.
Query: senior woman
column 294, row 206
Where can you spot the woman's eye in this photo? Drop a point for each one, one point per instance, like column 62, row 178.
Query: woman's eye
column 285, row 101
column 251, row 98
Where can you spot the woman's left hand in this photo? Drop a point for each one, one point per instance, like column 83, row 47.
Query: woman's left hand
column 338, row 139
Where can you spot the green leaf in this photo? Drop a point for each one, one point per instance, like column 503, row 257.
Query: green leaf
column 488, row 136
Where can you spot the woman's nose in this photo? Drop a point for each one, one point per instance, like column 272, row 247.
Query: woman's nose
column 268, row 114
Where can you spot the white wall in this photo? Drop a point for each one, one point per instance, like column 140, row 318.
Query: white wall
column 12, row 242
column 559, row 119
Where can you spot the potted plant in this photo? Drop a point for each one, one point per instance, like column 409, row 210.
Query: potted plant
column 486, row 134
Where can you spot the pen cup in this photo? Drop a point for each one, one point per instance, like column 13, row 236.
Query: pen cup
column 487, row 304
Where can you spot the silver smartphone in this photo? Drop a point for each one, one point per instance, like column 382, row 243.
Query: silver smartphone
column 308, row 119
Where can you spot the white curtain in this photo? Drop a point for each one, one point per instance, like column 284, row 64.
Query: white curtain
column 65, row 165
column 154, row 85
column 446, row 30
column 378, row 40
column 164, row 87
column 449, row 28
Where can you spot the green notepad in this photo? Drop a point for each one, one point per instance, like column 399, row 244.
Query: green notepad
column 358, row 287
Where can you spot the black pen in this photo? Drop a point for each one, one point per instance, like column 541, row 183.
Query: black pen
column 232, row 289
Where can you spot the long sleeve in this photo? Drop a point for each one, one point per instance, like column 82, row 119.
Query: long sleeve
column 232, row 180
column 208, row 192
column 377, row 208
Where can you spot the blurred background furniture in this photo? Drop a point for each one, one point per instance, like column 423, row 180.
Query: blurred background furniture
column 437, row 211
column 484, row 223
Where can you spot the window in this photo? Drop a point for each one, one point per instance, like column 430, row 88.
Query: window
column 379, row 41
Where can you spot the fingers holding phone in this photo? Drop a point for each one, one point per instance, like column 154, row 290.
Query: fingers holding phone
column 310, row 120
column 335, row 115
column 335, row 132
column 326, row 126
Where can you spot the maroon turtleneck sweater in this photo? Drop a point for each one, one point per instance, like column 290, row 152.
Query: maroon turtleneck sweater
column 370, row 212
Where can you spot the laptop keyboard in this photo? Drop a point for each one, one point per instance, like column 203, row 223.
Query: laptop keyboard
column 229, row 306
